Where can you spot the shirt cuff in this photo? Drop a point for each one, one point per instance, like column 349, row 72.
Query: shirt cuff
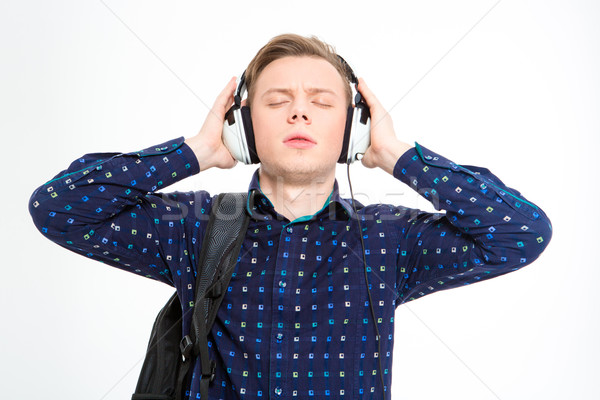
column 180, row 157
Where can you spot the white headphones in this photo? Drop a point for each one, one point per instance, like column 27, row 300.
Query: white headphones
column 238, row 133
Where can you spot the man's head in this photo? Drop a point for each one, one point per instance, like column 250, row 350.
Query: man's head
column 298, row 85
column 292, row 45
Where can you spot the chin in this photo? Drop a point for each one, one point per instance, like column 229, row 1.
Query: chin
column 299, row 168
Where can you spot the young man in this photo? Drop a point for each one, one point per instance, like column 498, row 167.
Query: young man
column 296, row 320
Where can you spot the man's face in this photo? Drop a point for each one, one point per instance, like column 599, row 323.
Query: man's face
column 299, row 114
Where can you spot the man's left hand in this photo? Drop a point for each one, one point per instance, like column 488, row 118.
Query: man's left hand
column 385, row 148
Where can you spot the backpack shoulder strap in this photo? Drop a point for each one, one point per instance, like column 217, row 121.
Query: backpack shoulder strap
column 224, row 235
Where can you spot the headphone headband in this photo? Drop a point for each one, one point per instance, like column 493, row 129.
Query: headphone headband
column 349, row 73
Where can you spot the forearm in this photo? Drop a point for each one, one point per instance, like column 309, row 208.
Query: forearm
column 498, row 220
column 488, row 229
column 99, row 185
column 103, row 207
column 389, row 155
column 205, row 154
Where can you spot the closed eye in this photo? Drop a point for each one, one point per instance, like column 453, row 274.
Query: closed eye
column 319, row 104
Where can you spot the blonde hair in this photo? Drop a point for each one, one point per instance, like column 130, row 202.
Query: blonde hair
column 290, row 44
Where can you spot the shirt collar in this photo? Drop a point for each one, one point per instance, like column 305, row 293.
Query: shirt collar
column 260, row 207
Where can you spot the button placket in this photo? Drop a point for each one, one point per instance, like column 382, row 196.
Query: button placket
column 280, row 303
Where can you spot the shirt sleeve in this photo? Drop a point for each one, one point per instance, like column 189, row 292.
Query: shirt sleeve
column 105, row 206
column 487, row 230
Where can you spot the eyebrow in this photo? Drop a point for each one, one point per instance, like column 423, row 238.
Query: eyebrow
column 289, row 91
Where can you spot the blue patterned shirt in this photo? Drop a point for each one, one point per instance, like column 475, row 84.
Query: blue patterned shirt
column 295, row 322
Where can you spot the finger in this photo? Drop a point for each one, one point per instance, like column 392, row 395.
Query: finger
column 223, row 101
column 367, row 93
column 226, row 95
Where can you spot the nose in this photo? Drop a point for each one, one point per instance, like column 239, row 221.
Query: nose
column 298, row 112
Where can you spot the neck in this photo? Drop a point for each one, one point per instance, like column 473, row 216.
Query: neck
column 296, row 198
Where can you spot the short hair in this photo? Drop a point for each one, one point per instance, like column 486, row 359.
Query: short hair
column 290, row 44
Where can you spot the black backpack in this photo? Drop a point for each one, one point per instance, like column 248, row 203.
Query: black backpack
column 169, row 356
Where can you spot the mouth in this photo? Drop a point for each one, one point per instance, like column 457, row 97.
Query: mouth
column 299, row 141
column 299, row 137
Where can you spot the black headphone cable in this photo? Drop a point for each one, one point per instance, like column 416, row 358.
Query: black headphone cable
column 362, row 242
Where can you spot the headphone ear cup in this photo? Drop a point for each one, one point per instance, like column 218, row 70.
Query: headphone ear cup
column 347, row 135
column 247, row 121
column 232, row 136
column 360, row 136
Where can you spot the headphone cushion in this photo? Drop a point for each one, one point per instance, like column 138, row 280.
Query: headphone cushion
column 347, row 133
column 249, row 130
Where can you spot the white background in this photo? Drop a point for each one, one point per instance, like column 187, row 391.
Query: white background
column 506, row 85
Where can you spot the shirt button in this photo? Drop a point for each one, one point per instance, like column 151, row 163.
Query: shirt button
column 278, row 391
column 428, row 157
column 282, row 284
column 279, row 337
column 290, row 229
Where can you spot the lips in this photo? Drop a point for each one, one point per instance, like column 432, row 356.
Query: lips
column 299, row 137
column 299, row 140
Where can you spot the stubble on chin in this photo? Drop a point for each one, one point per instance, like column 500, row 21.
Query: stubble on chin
column 297, row 172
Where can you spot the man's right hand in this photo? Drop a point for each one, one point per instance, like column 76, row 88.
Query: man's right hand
column 208, row 144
